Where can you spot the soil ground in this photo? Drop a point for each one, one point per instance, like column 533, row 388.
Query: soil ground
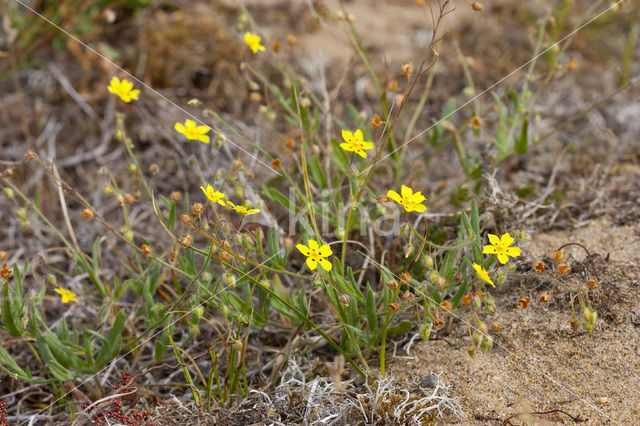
column 540, row 370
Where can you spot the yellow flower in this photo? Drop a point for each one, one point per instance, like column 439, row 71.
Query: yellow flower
column 67, row 296
column 244, row 211
column 500, row 247
column 316, row 254
column 212, row 195
column 483, row 274
column 253, row 41
column 193, row 132
column 355, row 143
column 409, row 200
column 123, row 89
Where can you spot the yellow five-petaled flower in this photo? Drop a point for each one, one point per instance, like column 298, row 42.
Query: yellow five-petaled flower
column 67, row 295
column 213, row 195
column 500, row 247
column 409, row 200
column 253, row 41
column 193, row 132
column 316, row 254
column 244, row 211
column 483, row 274
column 355, row 143
column 123, row 89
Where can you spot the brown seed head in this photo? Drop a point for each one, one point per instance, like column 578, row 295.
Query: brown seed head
column 573, row 64
column 376, row 121
column 8, row 172
column 558, row 256
column 523, row 302
column 196, row 209
column 176, row 195
column 457, row 276
column 154, row 169
column 287, row 243
column 276, row 163
column 88, row 213
column 344, row 298
column 539, row 266
column 128, row 198
column 477, row 6
column 291, row 144
column 544, row 297
column 393, row 285
column 383, row 199
column 186, row 239
column 466, row 299
column 407, row 295
column 315, row 149
column 563, row 269
column 291, row 39
column 575, row 324
column 445, row 305
column 276, row 46
column 475, row 122
column 255, row 97
column 4, row 255
column 592, row 283
column 5, row 272
column 145, row 249
column 496, row 327
column 393, row 85
column 405, row 276
column 185, row 218
column 394, row 306
column 29, row 155
column 406, row 69
column 438, row 322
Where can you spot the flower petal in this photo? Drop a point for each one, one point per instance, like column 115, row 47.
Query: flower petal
column 358, row 135
column 312, row 264
column 419, row 208
column 506, row 239
column 203, row 138
column 179, row 128
column 347, row 136
column 313, row 245
column 346, row 147
column 503, row 258
column 406, row 191
column 134, row 94
column 494, row 239
column 326, row 265
column 203, row 129
column 418, row 197
column 367, row 145
column 394, row 196
column 325, row 251
column 302, row 248
column 190, row 124
column 489, row 250
column 513, row 251
column 361, row 153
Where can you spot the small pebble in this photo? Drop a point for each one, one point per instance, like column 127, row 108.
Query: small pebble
column 428, row 381
column 603, row 400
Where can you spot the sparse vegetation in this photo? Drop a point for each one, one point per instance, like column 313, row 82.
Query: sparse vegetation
column 250, row 234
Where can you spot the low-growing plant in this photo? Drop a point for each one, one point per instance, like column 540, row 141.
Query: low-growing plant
column 339, row 245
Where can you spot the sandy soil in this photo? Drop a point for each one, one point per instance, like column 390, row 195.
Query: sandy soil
column 538, row 363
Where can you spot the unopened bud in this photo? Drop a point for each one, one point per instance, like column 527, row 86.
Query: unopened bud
column 477, row 6
column 406, row 69
column 176, row 195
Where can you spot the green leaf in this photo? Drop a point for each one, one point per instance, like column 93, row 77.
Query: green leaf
column 521, row 144
column 13, row 366
column 402, row 327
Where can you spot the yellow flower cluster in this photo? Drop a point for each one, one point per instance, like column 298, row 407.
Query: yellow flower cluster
column 219, row 197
